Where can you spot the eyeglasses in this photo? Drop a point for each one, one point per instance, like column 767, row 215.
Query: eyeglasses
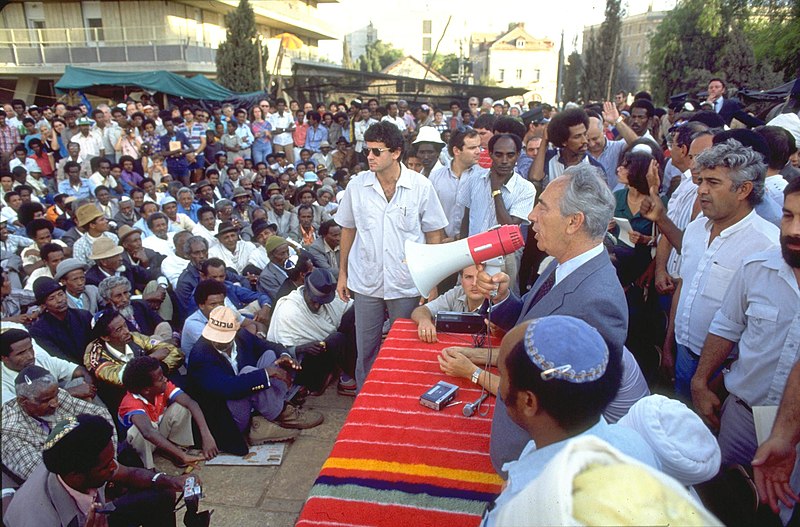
column 378, row 151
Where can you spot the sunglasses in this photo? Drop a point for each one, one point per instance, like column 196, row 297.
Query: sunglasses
column 378, row 151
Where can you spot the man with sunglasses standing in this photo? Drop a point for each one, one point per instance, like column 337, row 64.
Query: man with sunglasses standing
column 381, row 209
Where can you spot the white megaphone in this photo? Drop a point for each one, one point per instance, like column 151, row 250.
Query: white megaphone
column 430, row 264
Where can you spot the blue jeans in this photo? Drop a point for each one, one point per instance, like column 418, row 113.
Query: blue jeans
column 685, row 365
column 261, row 149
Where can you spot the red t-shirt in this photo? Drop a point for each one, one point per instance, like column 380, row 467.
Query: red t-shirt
column 133, row 404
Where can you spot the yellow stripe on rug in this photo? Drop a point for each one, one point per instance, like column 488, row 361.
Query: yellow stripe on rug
column 376, row 465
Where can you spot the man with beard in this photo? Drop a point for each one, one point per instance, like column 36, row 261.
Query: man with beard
column 567, row 131
column 140, row 317
column 499, row 196
column 28, row 420
column 160, row 240
column 761, row 313
column 127, row 214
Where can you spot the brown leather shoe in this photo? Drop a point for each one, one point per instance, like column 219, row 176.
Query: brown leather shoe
column 294, row 417
column 264, row 431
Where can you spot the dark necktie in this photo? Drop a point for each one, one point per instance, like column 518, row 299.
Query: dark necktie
column 547, row 285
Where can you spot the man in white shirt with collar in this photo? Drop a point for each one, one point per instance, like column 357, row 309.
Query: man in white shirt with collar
column 95, row 226
column 392, row 116
column 465, row 147
column 731, row 183
column 761, row 313
column 380, row 210
column 498, row 196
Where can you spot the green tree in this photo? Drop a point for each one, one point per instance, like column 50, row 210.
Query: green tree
column 377, row 56
column 592, row 85
column 447, row 65
column 240, row 66
column 572, row 77
column 686, row 49
column 601, row 57
column 775, row 34
column 608, row 48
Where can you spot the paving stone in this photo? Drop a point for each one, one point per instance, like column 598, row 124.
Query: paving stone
column 329, row 429
column 282, row 505
column 300, row 468
column 237, row 486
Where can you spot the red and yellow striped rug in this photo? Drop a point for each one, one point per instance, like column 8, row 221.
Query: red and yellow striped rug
column 398, row 463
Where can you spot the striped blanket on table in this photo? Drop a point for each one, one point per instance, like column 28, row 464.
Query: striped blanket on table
column 396, row 462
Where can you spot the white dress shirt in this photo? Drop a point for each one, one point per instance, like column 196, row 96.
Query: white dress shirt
column 679, row 210
column 376, row 265
column 774, row 186
column 761, row 312
column 707, row 271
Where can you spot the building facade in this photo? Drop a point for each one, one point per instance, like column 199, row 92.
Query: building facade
column 37, row 39
column 516, row 59
column 637, row 30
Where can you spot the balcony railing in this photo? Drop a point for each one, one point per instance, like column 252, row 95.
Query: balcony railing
column 56, row 46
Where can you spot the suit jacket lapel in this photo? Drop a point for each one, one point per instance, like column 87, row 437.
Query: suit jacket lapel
column 555, row 298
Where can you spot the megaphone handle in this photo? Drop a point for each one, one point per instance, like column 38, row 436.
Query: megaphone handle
column 492, row 267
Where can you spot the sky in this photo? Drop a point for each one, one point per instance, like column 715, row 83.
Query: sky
column 542, row 18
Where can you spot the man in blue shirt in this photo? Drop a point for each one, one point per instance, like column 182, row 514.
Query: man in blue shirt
column 75, row 185
column 175, row 146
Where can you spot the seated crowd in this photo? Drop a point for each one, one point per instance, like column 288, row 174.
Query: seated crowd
column 179, row 282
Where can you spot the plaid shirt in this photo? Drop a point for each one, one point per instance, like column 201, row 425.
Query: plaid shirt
column 24, row 436
column 9, row 138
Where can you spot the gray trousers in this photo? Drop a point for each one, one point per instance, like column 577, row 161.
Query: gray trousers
column 268, row 402
column 369, row 327
column 738, row 444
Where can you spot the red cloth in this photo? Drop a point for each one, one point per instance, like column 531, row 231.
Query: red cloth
column 397, row 462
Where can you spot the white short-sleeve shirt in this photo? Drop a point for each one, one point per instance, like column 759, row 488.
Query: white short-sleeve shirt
column 707, row 270
column 376, row 264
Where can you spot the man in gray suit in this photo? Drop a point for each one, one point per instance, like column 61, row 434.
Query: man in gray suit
column 569, row 223
column 80, row 295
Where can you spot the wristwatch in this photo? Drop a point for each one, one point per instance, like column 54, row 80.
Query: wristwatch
column 496, row 193
column 619, row 120
column 476, row 375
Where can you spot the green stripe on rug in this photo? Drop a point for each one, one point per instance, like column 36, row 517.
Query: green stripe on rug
column 396, row 497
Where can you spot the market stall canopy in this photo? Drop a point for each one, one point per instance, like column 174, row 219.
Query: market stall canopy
column 198, row 87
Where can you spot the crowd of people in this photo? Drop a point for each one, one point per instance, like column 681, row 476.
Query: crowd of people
column 180, row 281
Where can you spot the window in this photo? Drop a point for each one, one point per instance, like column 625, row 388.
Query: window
column 519, row 75
column 501, row 75
column 95, row 29
column 536, row 75
column 426, row 44
column 426, row 26
column 520, row 43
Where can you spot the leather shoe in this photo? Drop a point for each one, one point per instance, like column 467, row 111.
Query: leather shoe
column 264, row 431
column 294, row 417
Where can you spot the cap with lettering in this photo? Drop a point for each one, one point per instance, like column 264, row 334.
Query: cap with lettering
column 222, row 325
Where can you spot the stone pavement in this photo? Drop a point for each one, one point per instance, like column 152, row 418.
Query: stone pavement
column 273, row 496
